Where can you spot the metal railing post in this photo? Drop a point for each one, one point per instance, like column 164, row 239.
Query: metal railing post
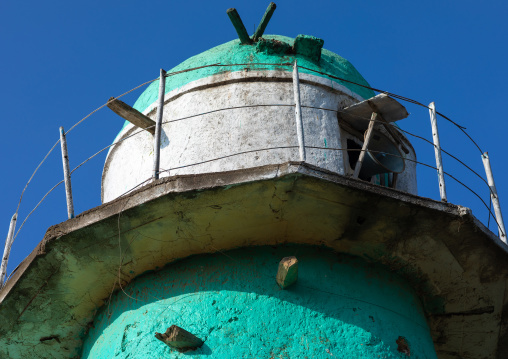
column 7, row 249
column 158, row 124
column 67, row 174
column 437, row 151
column 494, row 197
column 298, row 112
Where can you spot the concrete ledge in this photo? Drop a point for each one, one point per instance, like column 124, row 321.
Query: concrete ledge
column 455, row 264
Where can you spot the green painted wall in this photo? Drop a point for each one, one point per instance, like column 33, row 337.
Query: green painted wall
column 340, row 307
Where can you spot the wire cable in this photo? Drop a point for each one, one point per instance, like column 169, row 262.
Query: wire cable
column 104, row 105
column 333, row 149
column 259, row 150
column 409, row 133
column 38, row 204
column 407, row 99
column 57, row 142
column 246, row 106
column 231, row 65
column 288, row 105
column 449, row 154
column 33, row 174
column 125, row 93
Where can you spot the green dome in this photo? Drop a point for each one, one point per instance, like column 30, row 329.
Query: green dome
column 272, row 49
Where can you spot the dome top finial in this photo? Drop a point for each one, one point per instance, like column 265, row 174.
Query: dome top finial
column 240, row 28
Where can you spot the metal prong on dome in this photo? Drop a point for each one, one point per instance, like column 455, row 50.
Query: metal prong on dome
column 239, row 27
column 264, row 21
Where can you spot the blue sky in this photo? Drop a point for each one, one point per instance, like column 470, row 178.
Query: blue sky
column 61, row 60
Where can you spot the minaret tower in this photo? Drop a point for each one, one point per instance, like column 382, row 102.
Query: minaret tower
column 281, row 220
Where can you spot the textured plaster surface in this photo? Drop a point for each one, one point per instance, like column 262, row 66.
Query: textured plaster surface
column 455, row 265
column 340, row 306
column 238, row 120
column 186, row 144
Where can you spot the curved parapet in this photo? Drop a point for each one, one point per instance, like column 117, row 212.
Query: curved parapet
column 239, row 120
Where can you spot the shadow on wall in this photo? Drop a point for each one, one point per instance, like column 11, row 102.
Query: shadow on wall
column 340, row 305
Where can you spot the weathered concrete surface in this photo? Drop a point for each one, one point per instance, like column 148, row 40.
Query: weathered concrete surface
column 457, row 267
column 222, row 129
column 340, row 307
column 238, row 120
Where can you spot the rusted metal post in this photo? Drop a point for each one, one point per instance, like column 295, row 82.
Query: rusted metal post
column 437, row 151
column 7, row 249
column 366, row 141
column 67, row 174
column 298, row 112
column 494, row 197
column 239, row 27
column 158, row 124
column 264, row 21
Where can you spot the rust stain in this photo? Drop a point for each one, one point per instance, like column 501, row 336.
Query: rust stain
column 403, row 346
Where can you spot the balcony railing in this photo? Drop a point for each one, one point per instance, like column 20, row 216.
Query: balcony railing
column 487, row 189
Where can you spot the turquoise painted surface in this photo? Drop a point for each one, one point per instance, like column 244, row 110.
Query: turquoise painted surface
column 340, row 307
column 234, row 53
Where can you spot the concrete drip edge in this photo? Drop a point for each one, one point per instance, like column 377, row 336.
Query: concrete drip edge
column 184, row 183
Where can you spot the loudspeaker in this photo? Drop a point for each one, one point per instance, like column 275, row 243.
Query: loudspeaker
column 382, row 156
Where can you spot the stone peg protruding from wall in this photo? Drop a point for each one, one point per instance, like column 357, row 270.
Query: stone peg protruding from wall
column 287, row 273
column 179, row 339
